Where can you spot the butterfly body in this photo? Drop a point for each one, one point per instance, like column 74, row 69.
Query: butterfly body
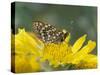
column 48, row 33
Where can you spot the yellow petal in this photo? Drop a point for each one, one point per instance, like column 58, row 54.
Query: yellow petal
column 90, row 61
column 34, row 62
column 26, row 43
column 23, row 64
column 78, row 44
column 25, row 52
column 90, row 58
column 88, row 48
column 83, row 52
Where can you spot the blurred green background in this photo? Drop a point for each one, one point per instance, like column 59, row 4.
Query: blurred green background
column 78, row 20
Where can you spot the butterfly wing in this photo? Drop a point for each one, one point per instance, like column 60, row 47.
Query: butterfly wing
column 48, row 33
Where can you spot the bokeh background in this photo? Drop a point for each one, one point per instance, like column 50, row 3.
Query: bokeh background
column 78, row 20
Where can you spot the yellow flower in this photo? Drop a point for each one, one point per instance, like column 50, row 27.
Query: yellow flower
column 63, row 53
column 25, row 51
column 30, row 52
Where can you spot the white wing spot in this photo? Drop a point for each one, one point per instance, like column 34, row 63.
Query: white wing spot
column 54, row 37
column 43, row 28
column 40, row 24
column 46, row 26
column 48, row 35
column 49, row 25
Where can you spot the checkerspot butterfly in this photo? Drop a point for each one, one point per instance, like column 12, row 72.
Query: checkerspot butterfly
column 49, row 33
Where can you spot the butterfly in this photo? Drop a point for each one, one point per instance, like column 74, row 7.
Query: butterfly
column 49, row 33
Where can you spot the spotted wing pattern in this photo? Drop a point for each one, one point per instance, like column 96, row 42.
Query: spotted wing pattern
column 48, row 33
